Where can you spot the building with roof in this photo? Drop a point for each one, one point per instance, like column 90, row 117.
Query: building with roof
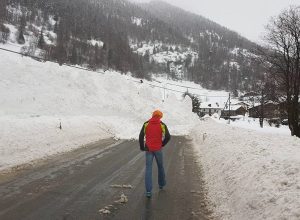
column 270, row 110
column 234, row 110
column 208, row 108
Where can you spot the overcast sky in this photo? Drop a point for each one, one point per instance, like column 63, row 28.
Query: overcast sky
column 247, row 17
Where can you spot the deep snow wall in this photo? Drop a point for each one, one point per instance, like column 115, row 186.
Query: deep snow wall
column 36, row 98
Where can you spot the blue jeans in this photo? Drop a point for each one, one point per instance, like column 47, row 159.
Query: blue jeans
column 161, row 172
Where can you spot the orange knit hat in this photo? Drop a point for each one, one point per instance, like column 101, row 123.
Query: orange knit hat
column 157, row 113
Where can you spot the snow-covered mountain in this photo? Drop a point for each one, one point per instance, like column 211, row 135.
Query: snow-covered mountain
column 225, row 59
column 143, row 39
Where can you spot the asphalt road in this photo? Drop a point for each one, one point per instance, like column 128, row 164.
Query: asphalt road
column 76, row 185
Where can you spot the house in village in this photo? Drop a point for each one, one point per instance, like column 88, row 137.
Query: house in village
column 235, row 110
column 270, row 109
column 207, row 108
column 245, row 105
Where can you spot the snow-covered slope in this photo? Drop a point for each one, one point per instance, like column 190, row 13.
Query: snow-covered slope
column 175, row 59
column 37, row 97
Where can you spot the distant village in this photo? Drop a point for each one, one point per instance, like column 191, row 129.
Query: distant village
column 248, row 105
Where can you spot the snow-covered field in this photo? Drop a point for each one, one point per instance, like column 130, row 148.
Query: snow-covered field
column 249, row 174
column 37, row 97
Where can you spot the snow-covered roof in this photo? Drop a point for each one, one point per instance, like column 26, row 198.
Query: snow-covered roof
column 267, row 103
column 233, row 107
column 237, row 102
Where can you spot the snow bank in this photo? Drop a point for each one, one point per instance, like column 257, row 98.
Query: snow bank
column 35, row 98
column 249, row 175
column 253, row 124
column 23, row 139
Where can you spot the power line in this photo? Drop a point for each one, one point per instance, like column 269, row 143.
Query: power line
column 184, row 86
column 102, row 72
column 51, row 61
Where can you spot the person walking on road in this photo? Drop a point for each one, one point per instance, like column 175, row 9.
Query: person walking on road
column 157, row 136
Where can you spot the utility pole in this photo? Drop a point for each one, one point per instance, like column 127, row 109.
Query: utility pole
column 164, row 92
column 229, row 109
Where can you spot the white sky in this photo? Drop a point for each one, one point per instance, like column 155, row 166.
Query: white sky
column 247, row 17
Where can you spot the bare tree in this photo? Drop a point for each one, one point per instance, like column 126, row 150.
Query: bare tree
column 283, row 42
column 264, row 89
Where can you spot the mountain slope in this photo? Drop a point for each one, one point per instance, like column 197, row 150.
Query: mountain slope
column 193, row 26
column 144, row 39
column 224, row 57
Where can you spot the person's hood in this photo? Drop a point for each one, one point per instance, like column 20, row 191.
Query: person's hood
column 155, row 120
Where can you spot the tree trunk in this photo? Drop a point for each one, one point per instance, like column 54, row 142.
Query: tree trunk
column 261, row 122
column 293, row 117
column 296, row 116
column 262, row 109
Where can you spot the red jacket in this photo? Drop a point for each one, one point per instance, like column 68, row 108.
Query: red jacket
column 156, row 133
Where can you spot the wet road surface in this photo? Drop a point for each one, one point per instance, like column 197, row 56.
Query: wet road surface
column 77, row 184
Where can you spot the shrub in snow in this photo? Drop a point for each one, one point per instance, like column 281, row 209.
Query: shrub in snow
column 4, row 33
column 29, row 50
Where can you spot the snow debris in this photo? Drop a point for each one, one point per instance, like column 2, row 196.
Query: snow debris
column 127, row 186
column 107, row 209
column 123, row 199
column 121, row 186
column 104, row 211
column 116, row 186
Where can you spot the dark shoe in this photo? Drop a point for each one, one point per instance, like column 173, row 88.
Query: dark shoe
column 148, row 194
column 161, row 187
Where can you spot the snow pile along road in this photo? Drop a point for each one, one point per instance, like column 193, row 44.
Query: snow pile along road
column 253, row 124
column 249, row 175
column 36, row 98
